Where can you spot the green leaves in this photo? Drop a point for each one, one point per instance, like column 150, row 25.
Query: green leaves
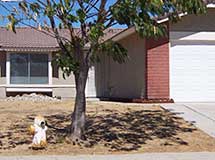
column 81, row 15
column 35, row 7
column 49, row 11
column 123, row 12
column 143, row 14
column 66, row 63
column 67, row 3
column 115, row 50
column 96, row 31
column 23, row 6
column 13, row 21
column 72, row 18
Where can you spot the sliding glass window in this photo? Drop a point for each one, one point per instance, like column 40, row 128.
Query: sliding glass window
column 28, row 68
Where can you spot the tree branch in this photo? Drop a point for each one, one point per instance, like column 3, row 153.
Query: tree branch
column 55, row 30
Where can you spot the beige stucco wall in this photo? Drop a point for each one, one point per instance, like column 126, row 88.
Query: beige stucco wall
column 64, row 88
column 2, row 74
column 64, row 92
column 2, row 68
column 2, row 92
column 194, row 23
column 60, row 80
column 123, row 80
column 57, row 77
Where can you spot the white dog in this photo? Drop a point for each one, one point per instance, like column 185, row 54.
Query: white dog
column 39, row 131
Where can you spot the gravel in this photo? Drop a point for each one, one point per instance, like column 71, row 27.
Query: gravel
column 33, row 97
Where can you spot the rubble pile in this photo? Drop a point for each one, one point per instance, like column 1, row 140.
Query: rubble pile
column 33, row 97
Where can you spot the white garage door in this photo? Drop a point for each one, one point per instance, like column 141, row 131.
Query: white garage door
column 192, row 72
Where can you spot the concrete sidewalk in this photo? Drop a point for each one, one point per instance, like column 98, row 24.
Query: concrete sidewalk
column 198, row 114
column 146, row 156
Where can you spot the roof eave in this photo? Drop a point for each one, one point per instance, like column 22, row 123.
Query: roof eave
column 123, row 34
column 32, row 49
column 131, row 30
column 29, row 49
column 167, row 19
column 211, row 5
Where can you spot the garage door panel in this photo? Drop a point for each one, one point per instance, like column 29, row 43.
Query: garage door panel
column 192, row 73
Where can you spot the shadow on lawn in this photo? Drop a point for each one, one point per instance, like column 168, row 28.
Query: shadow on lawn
column 128, row 131
column 15, row 135
column 118, row 131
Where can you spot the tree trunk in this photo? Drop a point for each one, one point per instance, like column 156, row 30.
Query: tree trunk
column 78, row 116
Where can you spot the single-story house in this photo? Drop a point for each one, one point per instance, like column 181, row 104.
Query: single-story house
column 180, row 66
column 25, row 64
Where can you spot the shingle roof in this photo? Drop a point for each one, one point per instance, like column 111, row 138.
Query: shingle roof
column 26, row 37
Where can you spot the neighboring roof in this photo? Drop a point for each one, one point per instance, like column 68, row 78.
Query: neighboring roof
column 31, row 39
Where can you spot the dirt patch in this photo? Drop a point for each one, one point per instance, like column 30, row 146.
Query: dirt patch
column 111, row 128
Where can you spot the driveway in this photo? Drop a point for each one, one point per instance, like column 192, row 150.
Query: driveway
column 202, row 115
column 207, row 109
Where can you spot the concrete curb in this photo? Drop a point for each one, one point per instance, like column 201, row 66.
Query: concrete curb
column 145, row 156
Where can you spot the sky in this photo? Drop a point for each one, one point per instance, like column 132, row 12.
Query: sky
column 3, row 22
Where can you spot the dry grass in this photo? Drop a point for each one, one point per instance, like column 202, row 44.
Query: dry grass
column 111, row 128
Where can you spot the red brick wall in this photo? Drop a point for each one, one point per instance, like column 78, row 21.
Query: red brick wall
column 157, row 68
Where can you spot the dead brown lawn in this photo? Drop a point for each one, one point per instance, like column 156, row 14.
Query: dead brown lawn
column 111, row 128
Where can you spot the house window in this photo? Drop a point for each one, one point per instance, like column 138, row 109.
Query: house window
column 28, row 68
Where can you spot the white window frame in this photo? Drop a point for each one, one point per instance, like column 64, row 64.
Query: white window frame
column 29, row 85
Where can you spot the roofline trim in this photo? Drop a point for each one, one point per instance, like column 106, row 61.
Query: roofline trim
column 211, row 5
column 167, row 19
column 123, row 34
column 33, row 49
column 29, row 49
column 132, row 30
column 129, row 31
